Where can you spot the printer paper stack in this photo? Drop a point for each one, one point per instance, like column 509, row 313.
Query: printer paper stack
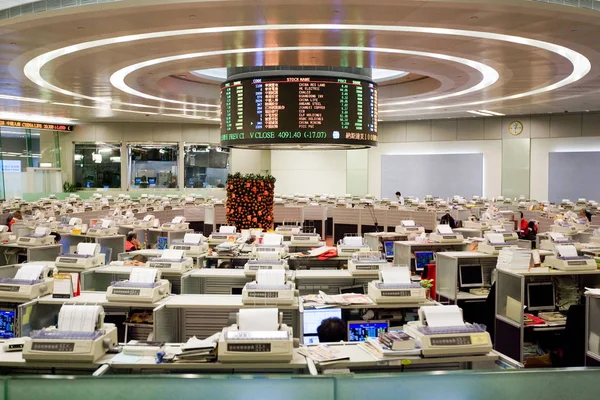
column 197, row 351
column 513, row 258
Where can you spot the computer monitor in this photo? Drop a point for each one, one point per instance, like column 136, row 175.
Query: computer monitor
column 312, row 319
column 137, row 181
column 151, row 181
column 359, row 331
column 541, row 296
column 8, row 323
column 422, row 258
column 471, row 276
column 236, row 290
column 389, row 249
column 353, row 289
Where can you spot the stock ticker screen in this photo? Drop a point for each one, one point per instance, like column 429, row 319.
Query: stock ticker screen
column 299, row 110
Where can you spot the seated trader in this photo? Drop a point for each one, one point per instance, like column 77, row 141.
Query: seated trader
column 57, row 237
column 523, row 224
column 132, row 243
column 332, row 330
column 137, row 261
column 17, row 216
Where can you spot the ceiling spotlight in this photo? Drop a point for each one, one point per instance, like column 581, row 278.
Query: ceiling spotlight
column 474, row 17
column 192, row 16
column 80, row 28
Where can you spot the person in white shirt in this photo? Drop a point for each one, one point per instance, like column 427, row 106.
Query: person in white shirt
column 400, row 198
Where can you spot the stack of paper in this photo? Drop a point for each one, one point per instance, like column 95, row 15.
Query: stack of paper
column 513, row 258
column 196, row 350
column 323, row 300
column 322, row 354
column 382, row 352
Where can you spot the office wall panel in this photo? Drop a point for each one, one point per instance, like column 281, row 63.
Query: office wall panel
column 442, row 175
column 573, row 175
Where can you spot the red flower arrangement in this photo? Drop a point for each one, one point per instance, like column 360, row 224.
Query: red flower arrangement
column 250, row 201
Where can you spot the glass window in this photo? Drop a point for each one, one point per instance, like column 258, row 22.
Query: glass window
column 153, row 165
column 97, row 165
column 20, row 150
column 205, row 166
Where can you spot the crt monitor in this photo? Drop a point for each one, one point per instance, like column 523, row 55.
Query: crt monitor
column 359, row 331
column 389, row 249
column 541, row 296
column 312, row 318
column 137, row 181
column 151, row 181
column 471, row 276
column 8, row 323
column 422, row 258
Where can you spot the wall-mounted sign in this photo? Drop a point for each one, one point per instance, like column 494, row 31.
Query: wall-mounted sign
column 36, row 125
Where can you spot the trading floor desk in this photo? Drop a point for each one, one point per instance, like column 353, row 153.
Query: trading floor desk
column 152, row 253
column 114, row 244
column 139, row 365
column 216, row 281
column 13, row 253
column 360, row 360
column 404, row 251
column 202, row 315
column 43, row 312
column 150, row 236
column 329, row 281
column 12, row 363
column 303, row 262
column 100, row 278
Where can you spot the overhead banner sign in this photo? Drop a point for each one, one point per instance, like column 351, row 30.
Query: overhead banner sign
column 36, row 125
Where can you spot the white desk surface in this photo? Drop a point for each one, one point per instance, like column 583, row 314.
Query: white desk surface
column 550, row 272
column 468, row 230
column 427, row 302
column 298, row 362
column 146, row 252
column 98, row 298
column 112, row 269
column 160, row 230
column 20, row 246
column 218, row 272
column 362, row 358
column 467, row 254
column 413, row 243
column 93, row 237
column 15, row 359
column 327, row 273
column 469, row 296
column 218, row 301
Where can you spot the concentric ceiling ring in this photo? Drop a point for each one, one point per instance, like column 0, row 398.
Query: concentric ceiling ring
column 581, row 65
column 490, row 75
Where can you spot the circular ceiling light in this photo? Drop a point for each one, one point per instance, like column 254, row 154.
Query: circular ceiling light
column 581, row 64
column 377, row 74
column 489, row 74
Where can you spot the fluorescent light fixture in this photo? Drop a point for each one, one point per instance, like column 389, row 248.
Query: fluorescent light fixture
column 78, row 157
column 581, row 64
column 105, row 150
column 115, row 159
column 45, row 165
column 480, row 113
column 492, row 113
column 19, row 98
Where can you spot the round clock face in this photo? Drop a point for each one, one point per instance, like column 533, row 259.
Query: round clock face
column 515, row 128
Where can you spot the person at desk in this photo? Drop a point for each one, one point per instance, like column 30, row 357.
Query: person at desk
column 132, row 243
column 332, row 330
column 523, row 224
column 399, row 198
column 57, row 237
column 17, row 216
column 448, row 220
column 137, row 261
column 583, row 213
